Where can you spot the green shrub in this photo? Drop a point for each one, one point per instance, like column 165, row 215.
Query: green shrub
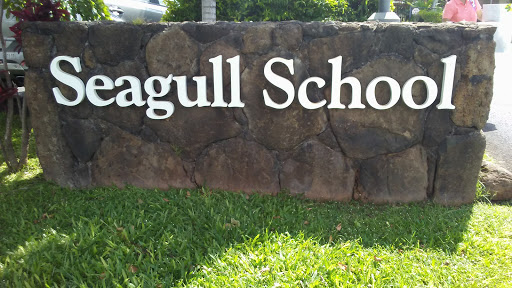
column 182, row 10
column 351, row 10
column 280, row 10
column 274, row 10
column 87, row 10
column 434, row 15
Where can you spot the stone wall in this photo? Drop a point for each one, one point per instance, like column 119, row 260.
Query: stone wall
column 394, row 155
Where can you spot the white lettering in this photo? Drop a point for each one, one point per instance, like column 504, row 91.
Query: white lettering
column 92, row 87
column 135, row 89
column 234, row 64
column 68, row 79
column 395, row 93
column 149, row 87
column 280, row 82
column 218, row 87
column 303, row 94
column 336, row 87
column 431, row 92
column 448, row 78
column 201, row 100
column 102, row 82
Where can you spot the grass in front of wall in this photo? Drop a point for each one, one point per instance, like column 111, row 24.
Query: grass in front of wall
column 110, row 237
column 200, row 238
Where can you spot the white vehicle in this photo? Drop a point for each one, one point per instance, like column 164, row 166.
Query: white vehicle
column 7, row 22
column 15, row 60
column 13, row 51
column 130, row 10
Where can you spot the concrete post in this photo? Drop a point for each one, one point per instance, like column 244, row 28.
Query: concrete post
column 208, row 9
column 384, row 5
column 384, row 15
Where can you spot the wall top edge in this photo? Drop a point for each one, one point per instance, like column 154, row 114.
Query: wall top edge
column 485, row 28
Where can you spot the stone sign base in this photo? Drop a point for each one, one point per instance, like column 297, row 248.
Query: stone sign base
column 393, row 155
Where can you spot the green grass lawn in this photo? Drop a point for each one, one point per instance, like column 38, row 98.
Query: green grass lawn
column 109, row 237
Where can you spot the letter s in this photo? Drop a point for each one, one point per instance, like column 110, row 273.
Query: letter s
column 279, row 82
column 67, row 79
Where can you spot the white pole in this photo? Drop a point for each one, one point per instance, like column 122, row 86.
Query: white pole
column 208, row 9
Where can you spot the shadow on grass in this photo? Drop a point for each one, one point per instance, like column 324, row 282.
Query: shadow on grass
column 110, row 229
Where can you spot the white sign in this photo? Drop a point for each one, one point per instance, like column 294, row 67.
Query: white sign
column 102, row 82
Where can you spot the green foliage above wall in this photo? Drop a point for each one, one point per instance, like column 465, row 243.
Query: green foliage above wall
column 87, row 10
column 352, row 10
column 274, row 10
column 183, row 10
column 434, row 15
